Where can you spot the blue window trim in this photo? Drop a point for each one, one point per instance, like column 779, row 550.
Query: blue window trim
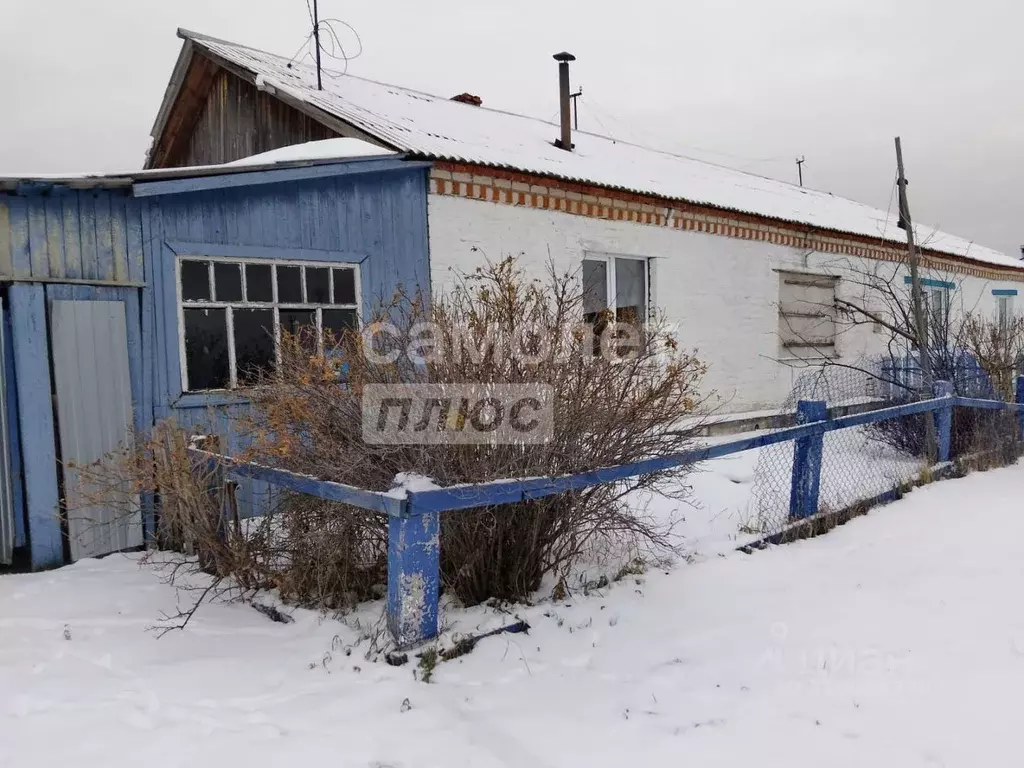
column 1004, row 291
column 928, row 282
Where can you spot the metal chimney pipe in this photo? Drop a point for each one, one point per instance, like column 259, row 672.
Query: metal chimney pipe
column 563, row 59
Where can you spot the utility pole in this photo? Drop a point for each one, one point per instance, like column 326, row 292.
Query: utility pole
column 800, row 168
column 917, row 299
column 316, row 40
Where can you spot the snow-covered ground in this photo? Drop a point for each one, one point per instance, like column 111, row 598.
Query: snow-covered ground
column 896, row 640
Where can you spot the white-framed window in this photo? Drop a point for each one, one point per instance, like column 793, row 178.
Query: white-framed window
column 807, row 314
column 616, row 287
column 1004, row 311
column 937, row 302
column 231, row 313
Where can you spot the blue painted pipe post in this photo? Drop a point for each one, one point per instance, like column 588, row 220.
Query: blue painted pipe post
column 944, row 419
column 806, row 482
column 1020, row 402
column 414, row 549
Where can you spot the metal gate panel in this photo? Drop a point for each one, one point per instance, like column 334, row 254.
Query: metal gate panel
column 7, row 528
column 89, row 343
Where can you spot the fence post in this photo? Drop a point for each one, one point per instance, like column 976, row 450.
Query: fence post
column 943, row 419
column 806, row 482
column 414, row 548
column 1020, row 402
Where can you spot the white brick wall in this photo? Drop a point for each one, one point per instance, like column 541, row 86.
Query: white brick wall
column 722, row 292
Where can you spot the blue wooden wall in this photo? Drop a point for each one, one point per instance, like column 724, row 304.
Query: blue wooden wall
column 121, row 243
column 50, row 232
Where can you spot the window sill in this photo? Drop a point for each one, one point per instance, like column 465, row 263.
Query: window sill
column 210, row 399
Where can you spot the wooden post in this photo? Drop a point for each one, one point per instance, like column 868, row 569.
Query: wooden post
column 806, row 481
column 1020, row 402
column 414, row 548
column 916, row 300
column 944, row 419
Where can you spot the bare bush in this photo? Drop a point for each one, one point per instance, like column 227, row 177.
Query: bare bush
column 620, row 392
column 613, row 405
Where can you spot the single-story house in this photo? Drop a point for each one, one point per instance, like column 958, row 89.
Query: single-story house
column 725, row 255
column 128, row 298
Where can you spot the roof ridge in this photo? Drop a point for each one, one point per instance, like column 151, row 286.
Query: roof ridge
column 199, row 37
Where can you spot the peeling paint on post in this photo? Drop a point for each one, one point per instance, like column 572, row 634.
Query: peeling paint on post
column 944, row 419
column 803, row 496
column 414, row 547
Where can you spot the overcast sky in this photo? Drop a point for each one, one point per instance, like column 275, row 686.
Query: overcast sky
column 746, row 83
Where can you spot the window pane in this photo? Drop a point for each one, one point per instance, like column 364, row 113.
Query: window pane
column 630, row 290
column 227, row 281
column 344, row 286
column 206, row 348
column 258, row 285
column 195, row 281
column 301, row 323
column 289, row 285
column 595, row 288
column 318, row 285
column 254, row 344
column 336, row 321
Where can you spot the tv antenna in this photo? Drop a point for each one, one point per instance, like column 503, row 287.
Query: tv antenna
column 324, row 41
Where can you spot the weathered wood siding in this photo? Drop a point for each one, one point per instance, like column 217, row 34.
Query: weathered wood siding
column 238, row 120
column 56, row 233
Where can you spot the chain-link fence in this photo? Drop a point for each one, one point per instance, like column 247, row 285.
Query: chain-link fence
column 884, row 458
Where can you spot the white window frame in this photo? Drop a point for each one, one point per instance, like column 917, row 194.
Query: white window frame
column 609, row 261
column 230, row 306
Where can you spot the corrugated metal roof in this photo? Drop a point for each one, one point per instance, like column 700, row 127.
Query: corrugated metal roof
column 437, row 127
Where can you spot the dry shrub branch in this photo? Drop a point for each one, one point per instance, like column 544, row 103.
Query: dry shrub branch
column 620, row 392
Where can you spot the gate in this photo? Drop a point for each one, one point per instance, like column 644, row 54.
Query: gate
column 89, row 345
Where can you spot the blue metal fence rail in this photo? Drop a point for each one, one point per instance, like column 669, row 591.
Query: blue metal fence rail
column 414, row 520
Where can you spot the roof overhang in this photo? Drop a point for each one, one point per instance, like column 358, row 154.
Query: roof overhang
column 165, row 181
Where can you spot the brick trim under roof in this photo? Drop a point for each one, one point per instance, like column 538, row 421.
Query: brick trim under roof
column 514, row 188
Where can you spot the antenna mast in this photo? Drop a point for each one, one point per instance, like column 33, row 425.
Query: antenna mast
column 316, row 39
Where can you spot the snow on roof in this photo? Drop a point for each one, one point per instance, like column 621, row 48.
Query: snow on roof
column 437, row 127
column 324, row 149
column 312, row 152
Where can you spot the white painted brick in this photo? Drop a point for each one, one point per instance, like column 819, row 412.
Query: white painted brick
column 722, row 292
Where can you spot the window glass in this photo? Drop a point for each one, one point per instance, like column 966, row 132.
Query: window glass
column 227, row 279
column 337, row 321
column 300, row 323
column 206, row 348
column 195, row 281
column 344, row 286
column 595, row 288
column 630, row 291
column 318, row 285
column 258, row 283
column 254, row 344
column 289, row 285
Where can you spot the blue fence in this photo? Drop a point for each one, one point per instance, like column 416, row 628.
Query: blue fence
column 414, row 517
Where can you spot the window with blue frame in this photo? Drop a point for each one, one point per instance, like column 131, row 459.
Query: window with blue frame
column 233, row 313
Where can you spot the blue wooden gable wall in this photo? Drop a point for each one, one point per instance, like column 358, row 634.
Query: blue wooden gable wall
column 121, row 243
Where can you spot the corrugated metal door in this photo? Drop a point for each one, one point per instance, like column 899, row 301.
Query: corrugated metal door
column 89, row 343
column 6, row 496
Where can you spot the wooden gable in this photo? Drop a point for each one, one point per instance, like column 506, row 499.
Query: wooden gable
column 219, row 115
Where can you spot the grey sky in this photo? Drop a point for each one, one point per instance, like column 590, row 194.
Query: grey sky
column 745, row 83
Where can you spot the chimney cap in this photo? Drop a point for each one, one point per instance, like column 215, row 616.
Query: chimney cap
column 564, row 56
column 468, row 98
